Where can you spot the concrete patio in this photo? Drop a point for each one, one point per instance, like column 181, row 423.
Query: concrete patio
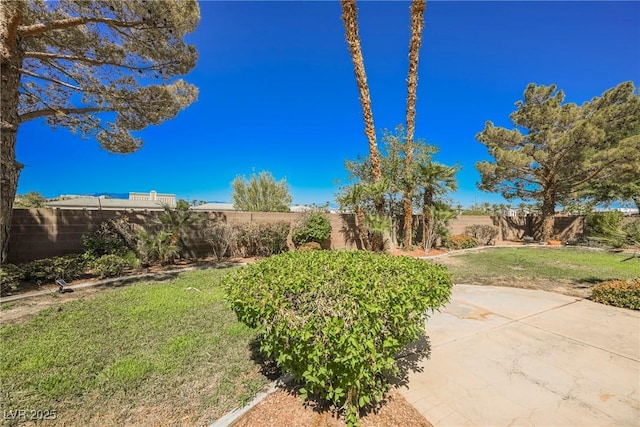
column 514, row 357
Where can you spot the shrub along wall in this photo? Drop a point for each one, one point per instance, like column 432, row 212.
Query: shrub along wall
column 42, row 233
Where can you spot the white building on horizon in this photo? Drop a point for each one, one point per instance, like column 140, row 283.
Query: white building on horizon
column 154, row 196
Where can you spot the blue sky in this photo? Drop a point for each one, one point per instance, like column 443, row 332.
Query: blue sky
column 278, row 93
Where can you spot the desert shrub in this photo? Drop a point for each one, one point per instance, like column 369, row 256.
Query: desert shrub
column 262, row 238
column 619, row 293
column 604, row 228
column 460, row 241
column 314, row 227
column 43, row 270
column 485, row 234
column 336, row 319
column 222, row 237
column 104, row 241
column 10, row 277
column 112, row 265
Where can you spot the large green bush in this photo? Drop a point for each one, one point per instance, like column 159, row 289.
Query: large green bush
column 314, row 227
column 619, row 293
column 336, row 319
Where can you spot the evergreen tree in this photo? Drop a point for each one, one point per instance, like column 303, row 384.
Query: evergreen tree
column 557, row 149
column 101, row 69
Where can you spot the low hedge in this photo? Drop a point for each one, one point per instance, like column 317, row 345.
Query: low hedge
column 45, row 270
column 619, row 293
column 112, row 265
column 336, row 319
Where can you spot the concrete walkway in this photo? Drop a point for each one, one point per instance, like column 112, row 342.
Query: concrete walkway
column 514, row 357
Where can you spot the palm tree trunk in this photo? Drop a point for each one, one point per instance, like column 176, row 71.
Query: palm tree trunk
column 427, row 201
column 350, row 20
column 362, row 229
column 417, row 25
column 9, row 84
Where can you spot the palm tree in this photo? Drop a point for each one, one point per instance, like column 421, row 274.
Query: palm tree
column 354, row 198
column 440, row 216
column 417, row 25
column 350, row 20
column 174, row 221
column 378, row 226
column 435, row 179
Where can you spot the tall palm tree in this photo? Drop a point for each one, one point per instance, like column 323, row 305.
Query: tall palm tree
column 417, row 25
column 435, row 179
column 350, row 20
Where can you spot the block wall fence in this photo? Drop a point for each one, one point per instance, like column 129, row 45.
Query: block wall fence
column 42, row 233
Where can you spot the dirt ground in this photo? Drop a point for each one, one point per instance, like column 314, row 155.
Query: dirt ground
column 284, row 408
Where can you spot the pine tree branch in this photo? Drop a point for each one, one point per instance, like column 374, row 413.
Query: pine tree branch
column 52, row 80
column 47, row 56
column 61, row 110
column 38, row 29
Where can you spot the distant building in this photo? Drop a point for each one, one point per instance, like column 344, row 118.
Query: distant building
column 151, row 201
column 167, row 199
column 97, row 203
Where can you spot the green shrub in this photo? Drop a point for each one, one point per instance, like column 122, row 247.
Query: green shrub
column 485, row 234
column 619, row 293
column 104, row 241
column 10, row 278
column 605, row 228
column 460, row 241
column 336, row 319
column 262, row 238
column 43, row 270
column 112, row 265
column 314, row 227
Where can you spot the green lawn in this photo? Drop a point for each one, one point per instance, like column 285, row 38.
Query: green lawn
column 572, row 265
column 157, row 353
